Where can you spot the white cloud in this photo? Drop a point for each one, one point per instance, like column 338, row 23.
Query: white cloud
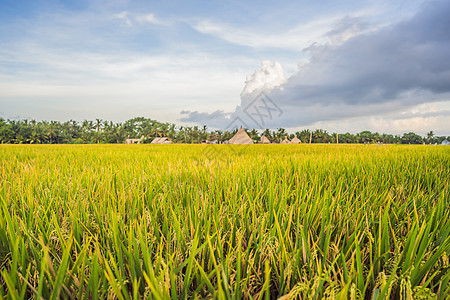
column 131, row 19
column 82, row 64
column 370, row 76
column 124, row 16
column 294, row 39
column 332, row 28
column 149, row 18
column 269, row 76
column 111, row 85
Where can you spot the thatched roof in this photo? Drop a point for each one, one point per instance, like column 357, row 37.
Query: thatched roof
column 264, row 140
column 295, row 140
column 132, row 141
column 285, row 141
column 241, row 137
column 162, row 140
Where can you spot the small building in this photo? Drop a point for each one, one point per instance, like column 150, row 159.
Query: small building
column 296, row 140
column 161, row 140
column 285, row 141
column 134, row 141
column 241, row 137
column 264, row 140
column 209, row 142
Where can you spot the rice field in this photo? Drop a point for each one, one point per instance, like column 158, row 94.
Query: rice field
column 224, row 222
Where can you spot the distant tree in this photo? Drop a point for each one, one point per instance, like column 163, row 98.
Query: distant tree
column 196, row 134
column 99, row 131
column 181, row 135
column 204, row 136
column 218, row 135
column 320, row 136
column 365, row 137
column 411, row 138
column 37, row 135
column 228, row 134
column 267, row 133
column 254, row 135
column 303, row 135
column 430, row 138
column 439, row 139
column 280, row 135
column 389, row 139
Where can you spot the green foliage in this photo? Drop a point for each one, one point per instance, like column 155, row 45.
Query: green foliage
column 168, row 221
column 107, row 132
column 412, row 138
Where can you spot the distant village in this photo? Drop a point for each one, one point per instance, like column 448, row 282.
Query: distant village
column 240, row 138
column 142, row 130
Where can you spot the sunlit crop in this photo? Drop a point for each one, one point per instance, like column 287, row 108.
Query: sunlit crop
column 185, row 221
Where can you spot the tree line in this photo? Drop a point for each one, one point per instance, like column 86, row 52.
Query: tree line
column 100, row 131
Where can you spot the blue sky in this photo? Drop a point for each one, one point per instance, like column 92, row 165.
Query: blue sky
column 337, row 65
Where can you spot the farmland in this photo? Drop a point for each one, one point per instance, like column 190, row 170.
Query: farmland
column 257, row 221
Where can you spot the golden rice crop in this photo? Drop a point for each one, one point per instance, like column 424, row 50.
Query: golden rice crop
column 220, row 221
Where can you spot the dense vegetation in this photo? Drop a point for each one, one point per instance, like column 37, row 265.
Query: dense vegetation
column 222, row 221
column 99, row 131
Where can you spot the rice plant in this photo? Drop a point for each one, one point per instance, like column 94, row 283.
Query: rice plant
column 264, row 221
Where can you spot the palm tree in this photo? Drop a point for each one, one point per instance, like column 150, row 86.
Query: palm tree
column 430, row 136
column 204, row 133
column 182, row 134
column 164, row 128
column 254, row 135
column 98, row 124
column 172, row 131
column 280, row 134
column 196, row 134
column 267, row 134
column 218, row 135
column 155, row 129
column 37, row 136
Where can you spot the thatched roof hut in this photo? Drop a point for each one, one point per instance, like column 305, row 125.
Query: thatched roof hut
column 295, row 140
column 285, row 141
column 264, row 140
column 161, row 140
column 134, row 141
column 241, row 137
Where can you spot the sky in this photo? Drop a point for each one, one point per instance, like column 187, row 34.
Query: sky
column 342, row 66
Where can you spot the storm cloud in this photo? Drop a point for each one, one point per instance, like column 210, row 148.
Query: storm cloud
column 363, row 72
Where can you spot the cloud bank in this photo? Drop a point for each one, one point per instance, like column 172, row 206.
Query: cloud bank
column 359, row 73
column 269, row 76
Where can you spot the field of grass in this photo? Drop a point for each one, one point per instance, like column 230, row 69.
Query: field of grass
column 259, row 221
